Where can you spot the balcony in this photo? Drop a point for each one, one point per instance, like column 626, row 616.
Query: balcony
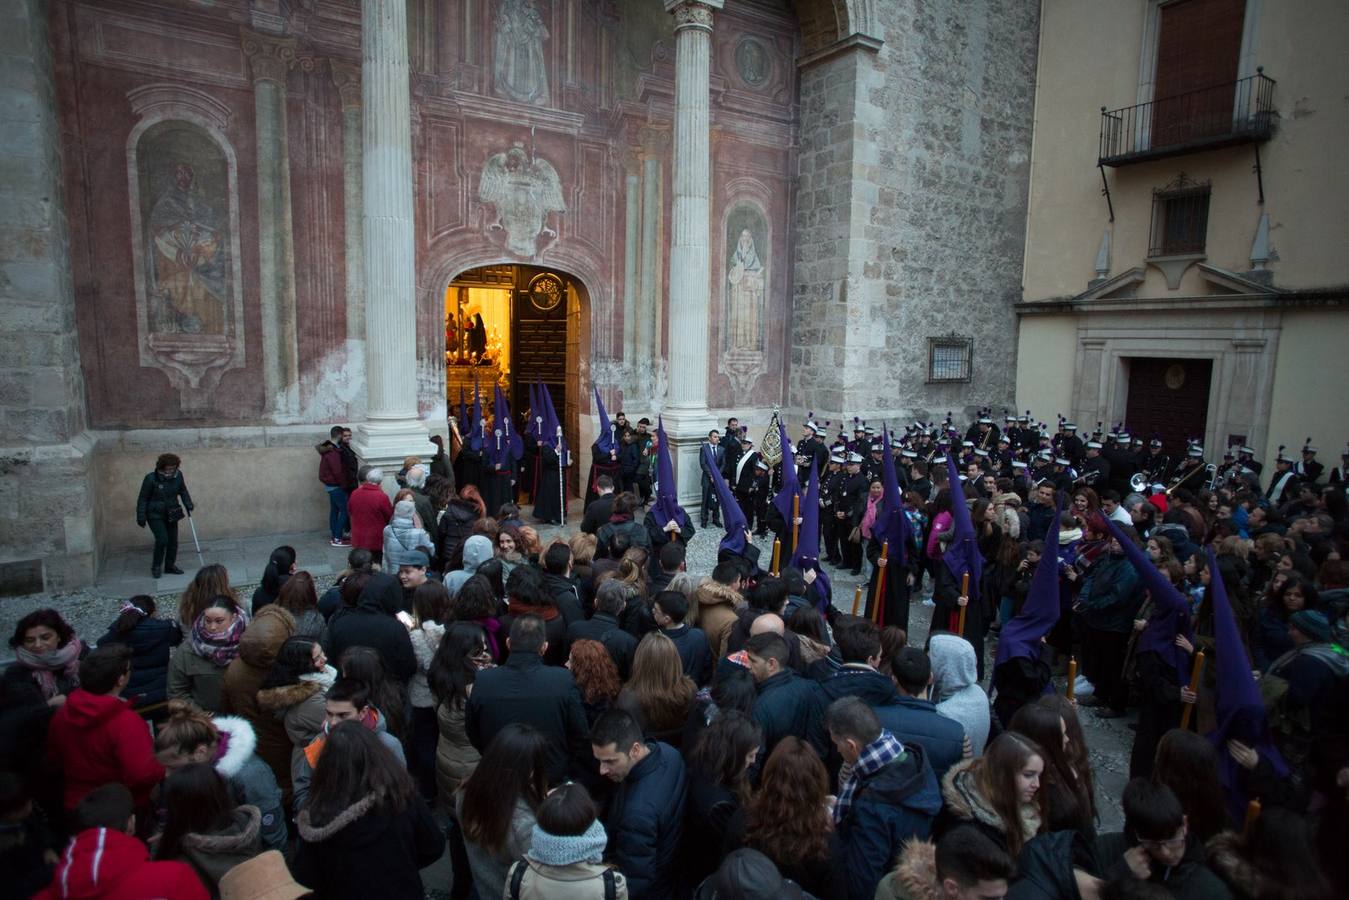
column 1236, row 112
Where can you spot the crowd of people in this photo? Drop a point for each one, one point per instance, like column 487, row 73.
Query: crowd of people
column 590, row 718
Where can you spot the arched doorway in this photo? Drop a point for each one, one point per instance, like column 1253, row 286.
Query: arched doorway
column 516, row 325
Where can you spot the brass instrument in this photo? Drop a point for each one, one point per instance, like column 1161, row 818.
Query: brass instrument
column 1210, row 469
column 1138, row 483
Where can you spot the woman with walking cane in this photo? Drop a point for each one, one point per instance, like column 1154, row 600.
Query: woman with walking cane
column 158, row 507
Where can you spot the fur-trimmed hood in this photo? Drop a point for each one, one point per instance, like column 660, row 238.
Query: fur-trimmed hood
column 915, row 875
column 317, row 833
column 279, row 699
column 240, row 741
column 963, row 796
column 714, row 593
column 243, row 835
column 1242, row 878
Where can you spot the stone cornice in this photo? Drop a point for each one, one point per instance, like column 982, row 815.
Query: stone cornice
column 270, row 58
column 1311, row 298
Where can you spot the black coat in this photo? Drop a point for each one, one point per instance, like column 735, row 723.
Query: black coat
column 366, row 853
column 791, row 705
column 159, row 498
column 566, row 596
column 694, row 652
column 546, row 698
column 604, row 628
column 151, row 642
column 372, row 624
column 597, row 513
column 645, row 822
column 711, row 807
column 455, row 527
column 916, row 721
column 858, row 681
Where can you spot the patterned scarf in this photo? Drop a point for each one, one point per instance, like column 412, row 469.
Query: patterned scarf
column 879, row 753
column 218, row 649
column 869, row 517
column 44, row 666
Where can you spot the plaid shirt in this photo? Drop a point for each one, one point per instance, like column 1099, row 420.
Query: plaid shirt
column 875, row 756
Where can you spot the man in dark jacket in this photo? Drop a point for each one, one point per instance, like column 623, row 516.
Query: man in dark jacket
column 610, row 600
column 1107, row 603
column 455, row 527
column 525, row 690
column 787, row 703
column 645, row 818
column 670, row 609
column 601, row 508
column 1157, row 845
column 559, row 583
column 709, row 504
column 887, row 795
column 333, row 476
column 859, row 646
column 911, row 714
column 373, row 624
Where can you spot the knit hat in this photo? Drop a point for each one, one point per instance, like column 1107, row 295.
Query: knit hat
column 566, row 849
column 264, row 877
column 1313, row 623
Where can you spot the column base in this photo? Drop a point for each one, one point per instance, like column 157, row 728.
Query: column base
column 687, row 431
column 386, row 442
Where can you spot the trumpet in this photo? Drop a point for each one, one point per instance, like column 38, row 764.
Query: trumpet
column 1210, row 469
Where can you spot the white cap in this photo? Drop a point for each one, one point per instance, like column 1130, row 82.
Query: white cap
column 854, row 457
column 1093, row 445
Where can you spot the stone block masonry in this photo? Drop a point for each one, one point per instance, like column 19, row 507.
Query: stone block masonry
column 46, row 459
column 910, row 215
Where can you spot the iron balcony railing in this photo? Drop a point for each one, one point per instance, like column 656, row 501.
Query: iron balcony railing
column 1236, row 112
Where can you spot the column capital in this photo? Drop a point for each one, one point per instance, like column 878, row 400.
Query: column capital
column 347, row 77
column 270, row 58
column 693, row 13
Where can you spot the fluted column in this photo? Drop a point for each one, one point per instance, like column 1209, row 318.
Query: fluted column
column 392, row 427
column 686, row 415
column 270, row 59
column 347, row 77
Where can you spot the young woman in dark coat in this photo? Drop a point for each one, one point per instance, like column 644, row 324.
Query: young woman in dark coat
column 366, row 831
column 157, row 506
column 151, row 641
column 718, row 765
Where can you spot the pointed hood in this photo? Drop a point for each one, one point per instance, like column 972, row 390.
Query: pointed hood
column 731, row 515
column 1170, row 614
column 807, row 554
column 962, row 554
column 607, row 441
column 791, row 486
column 552, row 428
column 506, row 443
column 534, row 427
column 667, row 503
column 1021, row 636
column 892, row 526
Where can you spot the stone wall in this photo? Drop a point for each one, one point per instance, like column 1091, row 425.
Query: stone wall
column 46, row 516
column 911, row 204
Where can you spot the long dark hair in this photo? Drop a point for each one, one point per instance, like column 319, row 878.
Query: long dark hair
column 734, row 689
column 298, row 594
column 474, row 601
column 1068, row 801
column 1188, row 764
column 996, row 773
column 431, row 602
column 295, row 658
column 198, row 802
column 141, row 606
column 278, row 569
column 452, row 669
column 513, row 768
column 354, row 765
column 1077, row 742
column 366, row 665
column 720, row 752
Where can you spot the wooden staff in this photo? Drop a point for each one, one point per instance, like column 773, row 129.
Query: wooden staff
column 796, row 526
column 777, row 551
column 1072, row 675
column 856, row 599
column 1194, row 688
column 1252, row 813
column 878, row 606
column 964, row 592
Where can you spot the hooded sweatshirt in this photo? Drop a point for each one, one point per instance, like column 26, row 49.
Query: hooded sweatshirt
column 955, row 688
column 110, row 865
column 95, row 739
column 477, row 550
column 373, row 624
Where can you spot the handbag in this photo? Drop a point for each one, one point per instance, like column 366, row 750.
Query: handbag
column 855, row 536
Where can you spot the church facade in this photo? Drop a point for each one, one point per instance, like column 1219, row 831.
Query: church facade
column 233, row 224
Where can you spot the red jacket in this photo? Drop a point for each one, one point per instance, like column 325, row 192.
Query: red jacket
column 96, row 739
column 370, row 511
column 331, row 471
column 110, row 865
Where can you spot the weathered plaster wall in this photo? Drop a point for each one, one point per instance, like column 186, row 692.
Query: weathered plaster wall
column 911, row 208
column 46, row 523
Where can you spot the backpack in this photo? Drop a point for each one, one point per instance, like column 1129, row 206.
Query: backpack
column 521, row 867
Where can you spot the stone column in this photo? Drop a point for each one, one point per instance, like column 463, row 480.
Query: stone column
column 270, row 58
column 687, row 419
column 347, row 77
column 392, row 428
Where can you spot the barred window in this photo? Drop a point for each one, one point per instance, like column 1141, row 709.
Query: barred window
column 949, row 358
column 1179, row 218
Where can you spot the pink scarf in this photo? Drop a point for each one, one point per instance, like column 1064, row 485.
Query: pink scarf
column 44, row 666
column 869, row 517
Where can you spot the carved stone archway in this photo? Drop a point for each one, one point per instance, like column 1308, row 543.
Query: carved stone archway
column 826, row 24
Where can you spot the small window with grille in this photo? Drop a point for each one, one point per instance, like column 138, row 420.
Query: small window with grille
column 949, row 358
column 1179, row 218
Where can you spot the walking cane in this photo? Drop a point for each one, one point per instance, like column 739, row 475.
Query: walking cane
column 195, row 542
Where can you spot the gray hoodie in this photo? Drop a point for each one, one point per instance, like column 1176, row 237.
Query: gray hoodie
column 954, row 689
column 477, row 550
column 400, row 537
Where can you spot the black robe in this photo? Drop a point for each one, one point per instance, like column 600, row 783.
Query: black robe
column 896, row 608
column 602, row 463
column 549, row 504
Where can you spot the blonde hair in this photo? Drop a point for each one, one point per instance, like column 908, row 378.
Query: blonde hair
column 583, row 548
column 659, row 684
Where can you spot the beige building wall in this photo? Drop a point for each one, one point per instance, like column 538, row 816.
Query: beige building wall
column 1280, row 369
